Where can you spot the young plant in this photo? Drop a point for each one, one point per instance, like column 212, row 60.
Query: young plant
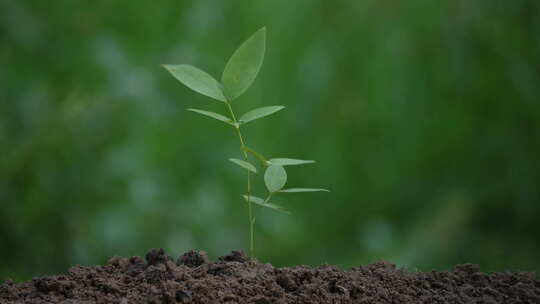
column 239, row 74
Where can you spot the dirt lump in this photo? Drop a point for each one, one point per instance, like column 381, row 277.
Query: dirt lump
column 235, row 279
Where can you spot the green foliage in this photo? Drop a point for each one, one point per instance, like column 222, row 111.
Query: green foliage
column 240, row 72
column 264, row 203
column 304, row 190
column 197, row 80
column 289, row 161
column 259, row 113
column 244, row 164
column 213, row 115
column 244, row 65
column 275, row 178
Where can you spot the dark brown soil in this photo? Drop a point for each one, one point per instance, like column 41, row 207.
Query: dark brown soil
column 236, row 279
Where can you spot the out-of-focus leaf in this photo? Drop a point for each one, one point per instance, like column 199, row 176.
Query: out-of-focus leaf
column 259, row 201
column 304, row 190
column 259, row 113
column 244, row 164
column 243, row 66
column 197, row 80
column 213, row 115
column 289, row 161
column 275, row 178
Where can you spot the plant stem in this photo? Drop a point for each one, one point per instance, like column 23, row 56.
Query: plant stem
column 250, row 210
column 268, row 198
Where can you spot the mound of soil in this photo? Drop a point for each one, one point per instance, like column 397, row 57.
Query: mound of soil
column 237, row 279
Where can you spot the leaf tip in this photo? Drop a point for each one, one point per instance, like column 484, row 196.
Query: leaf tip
column 167, row 67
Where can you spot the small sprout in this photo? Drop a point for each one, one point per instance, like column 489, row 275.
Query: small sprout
column 239, row 74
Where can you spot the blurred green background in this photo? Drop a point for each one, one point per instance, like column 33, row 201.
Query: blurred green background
column 423, row 115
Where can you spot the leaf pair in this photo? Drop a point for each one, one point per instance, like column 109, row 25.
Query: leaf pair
column 249, row 116
column 239, row 74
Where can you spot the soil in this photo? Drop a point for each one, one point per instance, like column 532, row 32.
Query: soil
column 192, row 278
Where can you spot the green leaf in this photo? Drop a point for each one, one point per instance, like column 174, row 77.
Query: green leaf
column 213, row 115
column 304, row 190
column 260, row 112
column 256, row 154
column 275, row 178
column 289, row 161
column 259, row 201
column 244, row 164
column 243, row 66
column 197, row 80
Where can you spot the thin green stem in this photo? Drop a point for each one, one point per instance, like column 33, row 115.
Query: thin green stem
column 268, row 197
column 250, row 209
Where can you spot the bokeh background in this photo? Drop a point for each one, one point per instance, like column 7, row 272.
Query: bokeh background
column 423, row 115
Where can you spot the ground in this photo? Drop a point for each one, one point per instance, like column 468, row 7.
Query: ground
column 192, row 278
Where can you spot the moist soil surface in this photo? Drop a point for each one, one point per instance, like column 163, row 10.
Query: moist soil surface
column 192, row 278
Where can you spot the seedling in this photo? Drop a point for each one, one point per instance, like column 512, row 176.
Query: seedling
column 239, row 74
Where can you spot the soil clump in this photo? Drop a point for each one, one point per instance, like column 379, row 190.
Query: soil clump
column 235, row 279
